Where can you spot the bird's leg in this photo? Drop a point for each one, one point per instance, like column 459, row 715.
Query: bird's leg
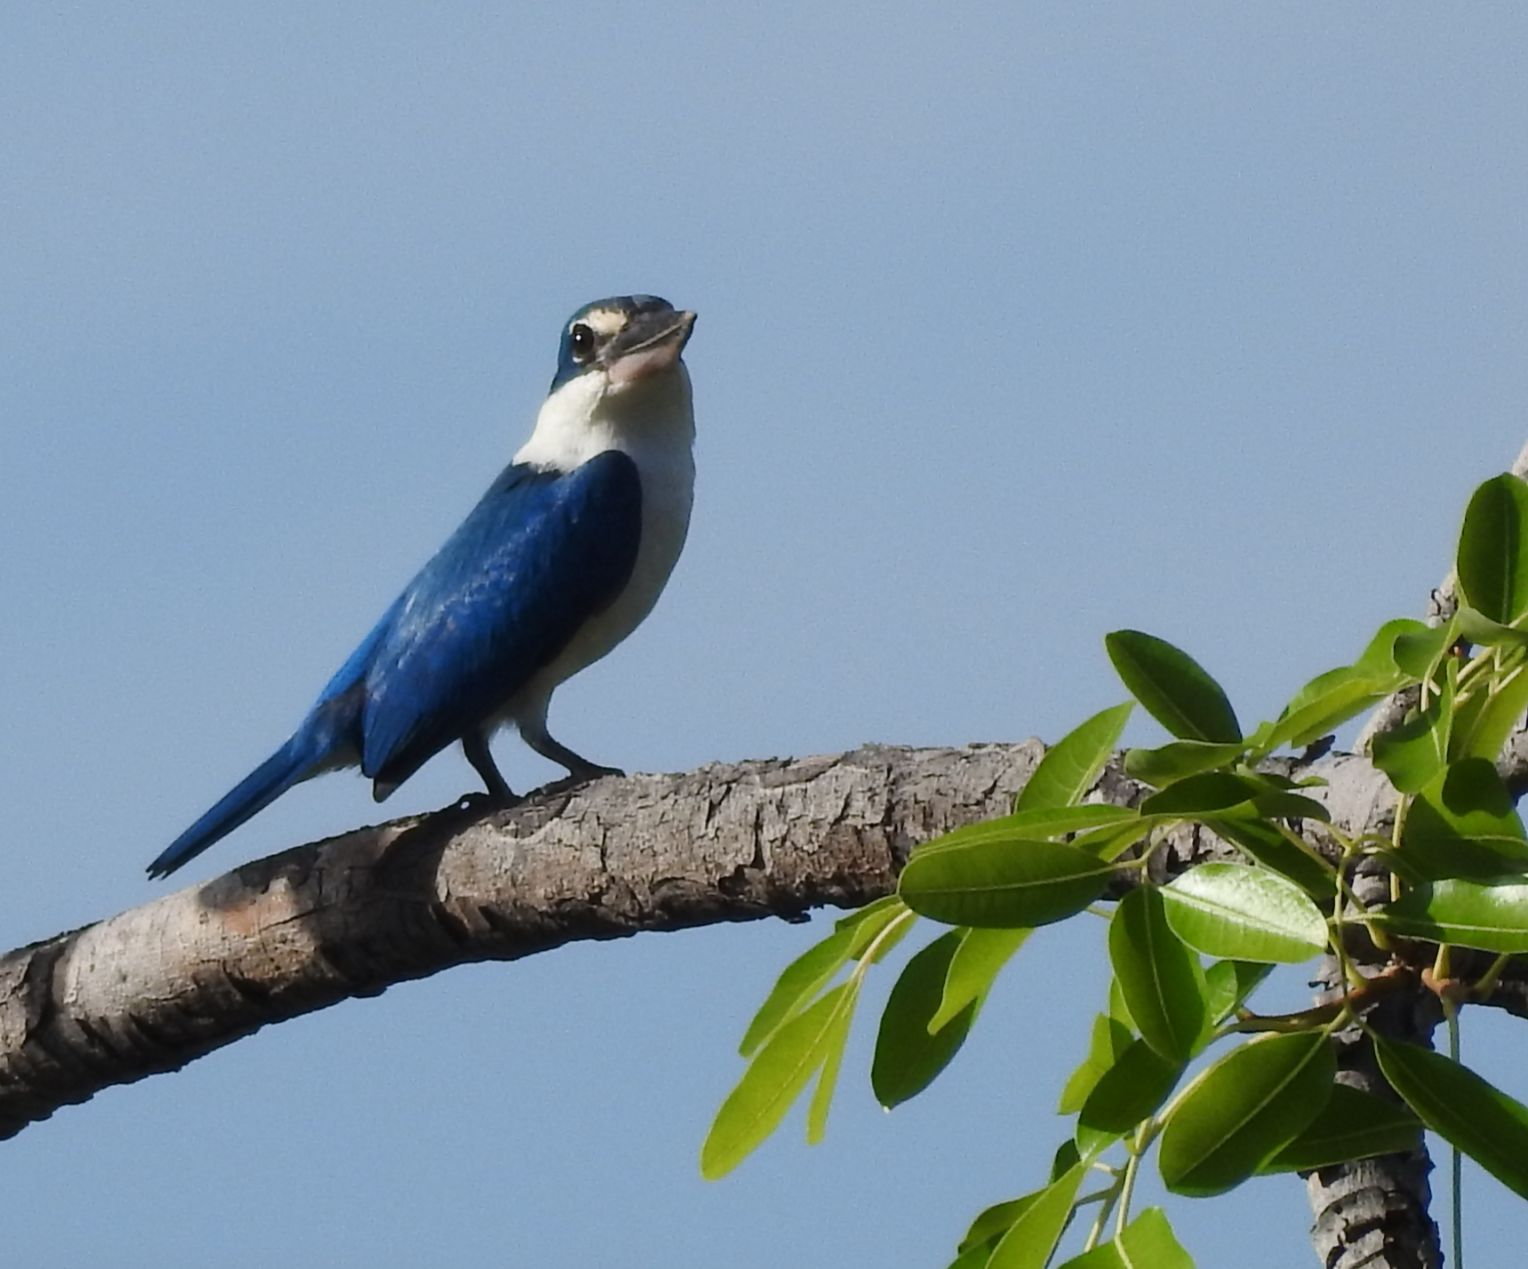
column 475, row 746
column 580, row 769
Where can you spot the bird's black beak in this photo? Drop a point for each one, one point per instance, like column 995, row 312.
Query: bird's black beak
column 650, row 344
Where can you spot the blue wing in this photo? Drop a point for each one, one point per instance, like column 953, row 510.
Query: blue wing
column 537, row 557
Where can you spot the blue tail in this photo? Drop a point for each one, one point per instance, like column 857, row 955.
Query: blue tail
column 293, row 763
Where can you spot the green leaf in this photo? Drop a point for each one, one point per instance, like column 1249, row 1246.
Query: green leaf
column 1463, row 824
column 1032, row 1238
column 1213, row 791
column 1462, row 1108
column 1326, row 702
column 805, row 976
column 1113, row 840
column 1161, row 766
column 1416, row 750
column 1489, row 915
column 772, row 1082
column 1243, row 1109
column 1492, row 565
column 1498, row 716
column 907, row 1056
column 1174, row 688
column 976, row 963
column 802, row 979
column 1147, row 1242
column 1065, row 1158
column 1266, row 844
column 1244, row 914
column 1161, row 979
column 1125, row 1094
column 1072, row 764
column 878, row 910
column 833, row 1049
column 1055, row 821
column 992, row 1222
column 1228, row 984
column 1354, row 1125
column 1003, row 882
column 1109, row 1038
column 1417, row 649
column 1475, row 626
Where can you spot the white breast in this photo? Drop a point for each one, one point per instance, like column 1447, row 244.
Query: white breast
column 656, row 429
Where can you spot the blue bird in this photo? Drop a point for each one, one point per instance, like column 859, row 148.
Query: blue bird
column 562, row 558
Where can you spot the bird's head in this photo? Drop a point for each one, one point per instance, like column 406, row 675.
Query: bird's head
column 620, row 385
column 621, row 343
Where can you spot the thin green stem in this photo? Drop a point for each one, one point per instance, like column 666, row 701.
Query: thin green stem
column 1486, row 984
column 1456, row 1169
column 1127, row 1191
column 867, row 957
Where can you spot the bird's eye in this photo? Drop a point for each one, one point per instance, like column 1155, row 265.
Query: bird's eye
column 583, row 342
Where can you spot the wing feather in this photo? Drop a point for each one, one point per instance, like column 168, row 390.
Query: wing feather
column 537, row 557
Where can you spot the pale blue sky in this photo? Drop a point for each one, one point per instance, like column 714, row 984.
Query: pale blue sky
column 1017, row 323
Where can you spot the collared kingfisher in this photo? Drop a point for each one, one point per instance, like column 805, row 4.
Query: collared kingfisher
column 562, row 558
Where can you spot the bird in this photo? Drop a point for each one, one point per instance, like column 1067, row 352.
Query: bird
column 561, row 559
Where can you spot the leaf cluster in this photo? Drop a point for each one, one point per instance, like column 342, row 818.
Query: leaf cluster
column 1178, row 1061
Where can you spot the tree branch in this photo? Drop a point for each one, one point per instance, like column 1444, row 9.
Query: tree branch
column 155, row 987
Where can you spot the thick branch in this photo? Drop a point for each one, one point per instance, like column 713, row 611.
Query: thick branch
column 153, row 988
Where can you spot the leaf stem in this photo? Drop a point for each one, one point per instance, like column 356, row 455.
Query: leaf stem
column 1486, row 984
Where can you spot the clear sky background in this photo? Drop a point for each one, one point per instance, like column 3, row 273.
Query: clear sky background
column 1018, row 323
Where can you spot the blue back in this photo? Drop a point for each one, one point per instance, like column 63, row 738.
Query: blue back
column 540, row 554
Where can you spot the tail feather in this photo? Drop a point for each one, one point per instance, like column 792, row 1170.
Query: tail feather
column 293, row 763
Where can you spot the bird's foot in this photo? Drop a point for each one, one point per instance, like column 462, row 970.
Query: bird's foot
column 579, row 778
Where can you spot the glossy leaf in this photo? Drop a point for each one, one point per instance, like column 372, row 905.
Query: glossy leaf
column 1059, row 820
column 1174, row 688
column 1004, row 883
column 1492, row 563
column 1354, row 1125
column 833, row 1044
column 1161, row 766
column 992, row 1222
column 1497, row 717
column 907, row 1056
column 1245, row 914
column 976, row 963
column 1113, row 840
column 1489, row 915
column 1244, row 1109
column 1072, row 764
column 802, row 979
column 1462, row 1108
column 1129, row 1091
column 1463, row 824
column 1148, row 1242
column 772, row 1082
column 1416, row 750
column 1161, row 979
column 1326, row 702
column 1416, row 650
column 1228, row 984
column 1269, row 847
column 1219, row 791
column 1032, row 1238
column 1475, row 626
column 1108, row 1039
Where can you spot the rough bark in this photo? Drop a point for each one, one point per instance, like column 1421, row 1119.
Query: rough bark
column 153, row 988
column 156, row 987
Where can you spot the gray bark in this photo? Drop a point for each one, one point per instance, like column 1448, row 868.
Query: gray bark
column 156, row 987
column 153, row 988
